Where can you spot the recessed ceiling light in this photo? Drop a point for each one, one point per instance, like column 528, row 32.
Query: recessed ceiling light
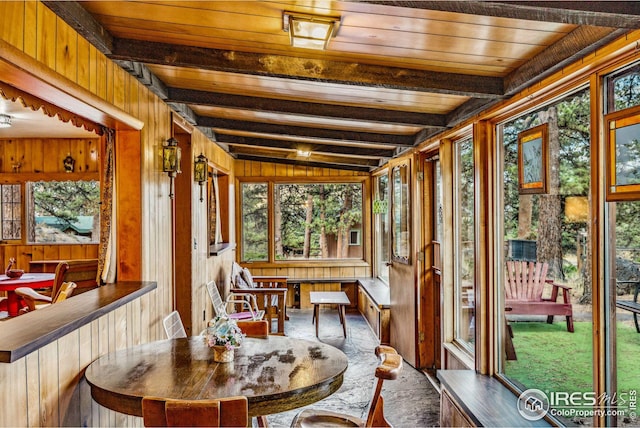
column 5, row 121
column 303, row 153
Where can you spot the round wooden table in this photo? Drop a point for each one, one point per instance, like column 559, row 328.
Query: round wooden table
column 275, row 374
column 31, row 280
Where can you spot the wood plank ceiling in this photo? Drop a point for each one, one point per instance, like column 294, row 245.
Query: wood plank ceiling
column 394, row 74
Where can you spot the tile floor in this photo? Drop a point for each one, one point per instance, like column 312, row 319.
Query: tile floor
column 410, row 401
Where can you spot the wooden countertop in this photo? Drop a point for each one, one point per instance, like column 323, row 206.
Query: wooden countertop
column 26, row 333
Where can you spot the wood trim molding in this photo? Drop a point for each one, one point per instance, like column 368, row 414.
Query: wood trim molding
column 29, row 75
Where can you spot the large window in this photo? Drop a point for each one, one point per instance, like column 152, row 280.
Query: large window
column 623, row 269
column 549, row 228
column 315, row 221
column 64, row 212
column 255, row 219
column 381, row 226
column 311, row 221
column 464, row 224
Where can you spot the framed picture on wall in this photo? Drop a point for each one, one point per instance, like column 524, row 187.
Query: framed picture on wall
column 533, row 153
column 623, row 154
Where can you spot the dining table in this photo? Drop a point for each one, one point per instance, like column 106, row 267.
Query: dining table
column 276, row 374
column 31, row 280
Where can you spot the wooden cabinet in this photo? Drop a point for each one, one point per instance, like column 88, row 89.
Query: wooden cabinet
column 377, row 318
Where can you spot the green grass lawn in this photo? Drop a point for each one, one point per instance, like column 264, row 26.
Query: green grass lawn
column 552, row 359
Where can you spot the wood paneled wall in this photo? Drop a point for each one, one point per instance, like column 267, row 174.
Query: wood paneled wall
column 331, row 268
column 38, row 156
column 43, row 388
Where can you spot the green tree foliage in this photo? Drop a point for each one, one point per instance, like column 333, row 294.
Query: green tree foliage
column 255, row 221
column 66, row 200
column 336, row 208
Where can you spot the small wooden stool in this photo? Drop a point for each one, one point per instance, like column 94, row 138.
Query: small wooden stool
column 329, row 298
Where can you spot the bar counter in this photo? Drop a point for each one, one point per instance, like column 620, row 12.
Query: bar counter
column 27, row 333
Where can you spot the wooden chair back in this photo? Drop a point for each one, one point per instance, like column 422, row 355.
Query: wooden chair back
column 225, row 412
column 35, row 300
column 389, row 369
column 258, row 329
column 173, row 326
column 525, row 280
column 84, row 273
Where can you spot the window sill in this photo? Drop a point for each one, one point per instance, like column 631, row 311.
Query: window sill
column 460, row 354
column 217, row 249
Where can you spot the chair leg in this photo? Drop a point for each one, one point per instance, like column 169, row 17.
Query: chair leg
column 550, row 319
column 635, row 319
column 570, row 323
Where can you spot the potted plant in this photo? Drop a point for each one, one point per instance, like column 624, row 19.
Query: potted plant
column 223, row 335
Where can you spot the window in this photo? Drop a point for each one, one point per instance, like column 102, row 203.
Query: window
column 255, row 219
column 552, row 228
column 464, row 224
column 11, row 212
column 381, row 226
column 301, row 221
column 623, row 263
column 314, row 221
column 354, row 237
column 63, row 212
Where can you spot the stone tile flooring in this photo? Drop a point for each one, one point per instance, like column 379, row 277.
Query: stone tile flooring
column 410, row 401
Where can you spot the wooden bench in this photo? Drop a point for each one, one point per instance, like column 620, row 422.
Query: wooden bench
column 632, row 306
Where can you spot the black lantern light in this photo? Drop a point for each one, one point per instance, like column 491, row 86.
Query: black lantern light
column 171, row 161
column 200, row 172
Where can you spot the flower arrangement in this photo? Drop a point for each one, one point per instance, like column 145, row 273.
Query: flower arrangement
column 223, row 332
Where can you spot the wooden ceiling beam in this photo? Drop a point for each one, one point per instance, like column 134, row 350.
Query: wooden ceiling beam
column 189, row 96
column 301, row 131
column 305, row 146
column 615, row 14
column 307, row 68
column 312, row 156
column 570, row 48
column 304, row 163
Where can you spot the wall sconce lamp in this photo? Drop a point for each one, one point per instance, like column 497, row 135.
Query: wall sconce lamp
column 171, row 155
column 5, row 121
column 309, row 31
column 200, row 172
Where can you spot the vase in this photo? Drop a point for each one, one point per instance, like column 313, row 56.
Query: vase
column 222, row 355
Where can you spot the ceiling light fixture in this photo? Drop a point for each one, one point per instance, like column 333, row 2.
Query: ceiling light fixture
column 309, row 31
column 303, row 153
column 5, row 121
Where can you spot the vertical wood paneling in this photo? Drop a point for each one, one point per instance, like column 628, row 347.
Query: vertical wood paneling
column 46, row 36
column 43, row 388
column 12, row 19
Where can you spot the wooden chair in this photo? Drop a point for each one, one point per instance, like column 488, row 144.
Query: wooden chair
column 389, row 368
column 83, row 272
column 247, row 303
column 524, row 287
column 270, row 293
column 224, row 412
column 173, row 326
column 35, row 300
